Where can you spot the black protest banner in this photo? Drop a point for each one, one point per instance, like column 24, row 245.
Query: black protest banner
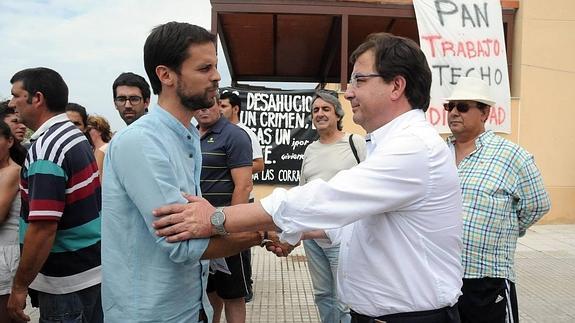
column 282, row 122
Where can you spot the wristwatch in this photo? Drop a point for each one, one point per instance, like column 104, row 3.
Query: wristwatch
column 218, row 219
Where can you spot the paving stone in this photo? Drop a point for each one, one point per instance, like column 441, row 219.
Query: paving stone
column 545, row 264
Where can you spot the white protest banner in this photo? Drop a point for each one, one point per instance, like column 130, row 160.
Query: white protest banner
column 464, row 38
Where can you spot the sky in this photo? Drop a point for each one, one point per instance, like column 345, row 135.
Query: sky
column 89, row 42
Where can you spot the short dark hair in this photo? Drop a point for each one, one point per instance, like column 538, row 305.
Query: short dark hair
column 80, row 109
column 234, row 100
column 46, row 81
column 168, row 45
column 132, row 79
column 400, row 56
column 5, row 110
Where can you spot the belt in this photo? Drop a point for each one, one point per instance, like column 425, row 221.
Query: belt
column 445, row 314
column 202, row 317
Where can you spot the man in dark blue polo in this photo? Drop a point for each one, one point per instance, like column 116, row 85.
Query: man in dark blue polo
column 226, row 180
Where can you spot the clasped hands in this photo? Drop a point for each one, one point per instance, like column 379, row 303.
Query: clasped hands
column 274, row 245
column 178, row 222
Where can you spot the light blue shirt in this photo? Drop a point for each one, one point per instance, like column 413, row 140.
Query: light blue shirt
column 145, row 278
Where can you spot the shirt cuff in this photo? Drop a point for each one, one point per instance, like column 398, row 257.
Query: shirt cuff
column 273, row 205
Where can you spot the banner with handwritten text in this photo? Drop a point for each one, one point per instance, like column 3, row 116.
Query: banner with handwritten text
column 282, row 122
column 464, row 38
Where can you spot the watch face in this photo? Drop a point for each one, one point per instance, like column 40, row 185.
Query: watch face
column 218, row 218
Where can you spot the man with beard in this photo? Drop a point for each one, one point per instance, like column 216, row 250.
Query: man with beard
column 131, row 96
column 152, row 163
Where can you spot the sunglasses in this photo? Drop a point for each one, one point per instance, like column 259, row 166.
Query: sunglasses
column 461, row 106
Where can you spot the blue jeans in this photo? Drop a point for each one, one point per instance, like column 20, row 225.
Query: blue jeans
column 83, row 306
column 322, row 264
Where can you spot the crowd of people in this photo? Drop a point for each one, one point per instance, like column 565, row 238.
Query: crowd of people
column 155, row 222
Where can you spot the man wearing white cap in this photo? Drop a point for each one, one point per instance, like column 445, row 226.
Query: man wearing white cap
column 503, row 194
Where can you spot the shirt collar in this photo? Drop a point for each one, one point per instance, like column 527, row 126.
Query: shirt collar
column 401, row 122
column 169, row 120
column 484, row 138
column 62, row 117
column 218, row 126
column 480, row 141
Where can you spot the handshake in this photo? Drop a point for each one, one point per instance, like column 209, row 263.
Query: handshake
column 271, row 241
column 179, row 222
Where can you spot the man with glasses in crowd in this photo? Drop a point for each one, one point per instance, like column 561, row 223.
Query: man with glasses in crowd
column 400, row 208
column 131, row 96
column 503, row 195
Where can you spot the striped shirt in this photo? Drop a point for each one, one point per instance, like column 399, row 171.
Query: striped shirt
column 59, row 182
column 503, row 194
column 224, row 146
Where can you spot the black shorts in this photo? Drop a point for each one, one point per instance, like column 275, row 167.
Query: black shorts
column 235, row 285
column 489, row 300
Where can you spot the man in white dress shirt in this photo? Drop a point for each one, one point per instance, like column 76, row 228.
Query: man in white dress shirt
column 400, row 209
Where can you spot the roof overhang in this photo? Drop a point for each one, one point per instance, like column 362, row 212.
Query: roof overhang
column 310, row 41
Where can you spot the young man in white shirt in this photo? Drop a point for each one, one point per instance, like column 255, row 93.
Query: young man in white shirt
column 231, row 108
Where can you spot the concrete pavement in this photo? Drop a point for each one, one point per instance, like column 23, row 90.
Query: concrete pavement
column 545, row 262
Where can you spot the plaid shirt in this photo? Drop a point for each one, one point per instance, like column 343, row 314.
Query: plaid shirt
column 503, row 194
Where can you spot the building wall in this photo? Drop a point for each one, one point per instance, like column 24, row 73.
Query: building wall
column 543, row 80
column 543, row 99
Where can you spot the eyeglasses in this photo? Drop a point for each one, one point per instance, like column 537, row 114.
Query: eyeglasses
column 355, row 77
column 121, row 100
column 461, row 106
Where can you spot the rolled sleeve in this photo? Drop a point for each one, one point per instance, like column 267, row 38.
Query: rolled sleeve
column 272, row 205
